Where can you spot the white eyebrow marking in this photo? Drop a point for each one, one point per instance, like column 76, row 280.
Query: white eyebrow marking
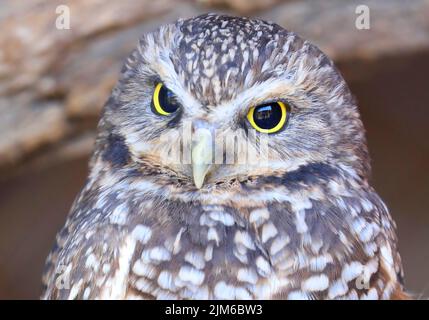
column 280, row 88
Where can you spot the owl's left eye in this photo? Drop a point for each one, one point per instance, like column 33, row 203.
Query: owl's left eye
column 268, row 118
column 164, row 101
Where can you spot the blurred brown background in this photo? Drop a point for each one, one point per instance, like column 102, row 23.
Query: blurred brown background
column 53, row 84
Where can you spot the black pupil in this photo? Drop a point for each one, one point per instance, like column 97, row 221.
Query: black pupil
column 167, row 100
column 267, row 116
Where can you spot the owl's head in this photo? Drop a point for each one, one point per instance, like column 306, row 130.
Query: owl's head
column 217, row 100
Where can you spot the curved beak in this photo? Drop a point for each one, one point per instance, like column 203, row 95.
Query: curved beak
column 201, row 154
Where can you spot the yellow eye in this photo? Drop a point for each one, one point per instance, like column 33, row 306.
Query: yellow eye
column 164, row 102
column 268, row 118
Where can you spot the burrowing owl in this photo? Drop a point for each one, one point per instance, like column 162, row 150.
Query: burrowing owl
column 302, row 223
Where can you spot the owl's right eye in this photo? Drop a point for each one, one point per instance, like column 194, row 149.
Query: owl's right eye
column 268, row 118
column 164, row 101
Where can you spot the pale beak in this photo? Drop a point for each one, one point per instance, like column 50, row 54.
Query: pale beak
column 202, row 155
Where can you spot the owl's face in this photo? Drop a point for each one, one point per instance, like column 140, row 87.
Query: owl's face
column 213, row 101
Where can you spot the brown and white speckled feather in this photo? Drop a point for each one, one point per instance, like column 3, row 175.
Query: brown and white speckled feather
column 306, row 226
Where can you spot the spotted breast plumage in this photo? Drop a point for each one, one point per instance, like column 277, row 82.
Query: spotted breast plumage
column 301, row 222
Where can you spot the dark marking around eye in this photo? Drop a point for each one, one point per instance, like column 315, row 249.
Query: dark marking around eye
column 243, row 124
column 116, row 152
column 175, row 121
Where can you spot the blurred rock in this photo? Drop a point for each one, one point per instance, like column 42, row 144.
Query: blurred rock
column 396, row 26
column 48, row 76
column 25, row 126
column 53, row 83
column 33, row 46
column 242, row 6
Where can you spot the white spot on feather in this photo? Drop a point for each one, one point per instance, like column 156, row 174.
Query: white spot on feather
column 212, row 235
column 144, row 269
column 192, row 275
column 268, row 231
column 165, row 280
column 92, row 262
column 243, row 238
column 142, row 233
column 195, row 258
column 144, row 285
column 156, row 254
column 176, row 244
column 86, row 293
column 247, row 275
column 208, row 254
column 116, row 287
column 264, row 268
column 278, row 244
column 301, row 225
column 386, row 254
column 315, row 283
column 319, row 263
column 259, row 216
column 222, row 217
column 338, row 288
column 106, row 268
column 75, row 290
column 223, row 290
column 351, row 271
column 298, row 295
column 119, row 215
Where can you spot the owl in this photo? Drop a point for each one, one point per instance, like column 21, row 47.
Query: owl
column 230, row 163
